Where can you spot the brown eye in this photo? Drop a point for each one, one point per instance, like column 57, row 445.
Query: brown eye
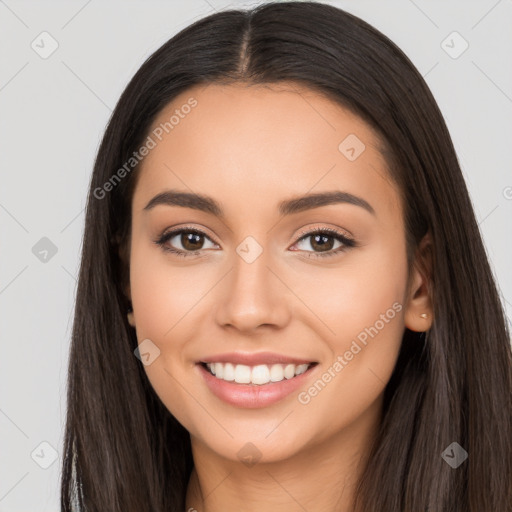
column 322, row 242
column 184, row 242
column 191, row 241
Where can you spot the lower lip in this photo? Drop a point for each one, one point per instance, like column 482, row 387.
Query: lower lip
column 253, row 396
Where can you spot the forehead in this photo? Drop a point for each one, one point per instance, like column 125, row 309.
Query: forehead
column 239, row 142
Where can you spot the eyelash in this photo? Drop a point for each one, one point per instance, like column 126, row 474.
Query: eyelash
column 347, row 242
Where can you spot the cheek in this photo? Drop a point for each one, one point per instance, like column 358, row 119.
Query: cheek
column 361, row 304
column 352, row 295
column 163, row 294
column 152, row 294
column 161, row 298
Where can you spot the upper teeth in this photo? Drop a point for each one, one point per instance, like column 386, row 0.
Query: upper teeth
column 261, row 374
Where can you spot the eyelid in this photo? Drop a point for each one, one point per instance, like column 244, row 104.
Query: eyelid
column 176, row 230
column 334, row 231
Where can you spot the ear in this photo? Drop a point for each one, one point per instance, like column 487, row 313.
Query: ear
column 123, row 250
column 131, row 318
column 419, row 294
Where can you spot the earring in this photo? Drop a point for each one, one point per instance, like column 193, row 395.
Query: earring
column 424, row 315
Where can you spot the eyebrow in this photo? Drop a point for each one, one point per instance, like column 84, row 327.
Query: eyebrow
column 288, row 207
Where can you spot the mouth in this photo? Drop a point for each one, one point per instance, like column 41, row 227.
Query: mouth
column 257, row 375
column 257, row 385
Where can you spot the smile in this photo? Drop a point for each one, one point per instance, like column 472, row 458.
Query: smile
column 258, row 375
column 255, row 385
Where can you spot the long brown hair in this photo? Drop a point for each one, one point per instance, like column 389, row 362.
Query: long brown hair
column 124, row 451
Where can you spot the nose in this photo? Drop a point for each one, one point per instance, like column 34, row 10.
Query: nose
column 253, row 296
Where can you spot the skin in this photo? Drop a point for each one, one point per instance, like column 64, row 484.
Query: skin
column 250, row 148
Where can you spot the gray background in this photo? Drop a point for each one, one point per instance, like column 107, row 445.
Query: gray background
column 54, row 111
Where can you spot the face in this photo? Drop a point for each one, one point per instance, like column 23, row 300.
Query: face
column 302, row 301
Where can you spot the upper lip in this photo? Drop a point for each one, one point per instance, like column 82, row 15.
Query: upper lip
column 255, row 358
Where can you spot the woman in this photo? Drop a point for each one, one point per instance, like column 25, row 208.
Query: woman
column 284, row 301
